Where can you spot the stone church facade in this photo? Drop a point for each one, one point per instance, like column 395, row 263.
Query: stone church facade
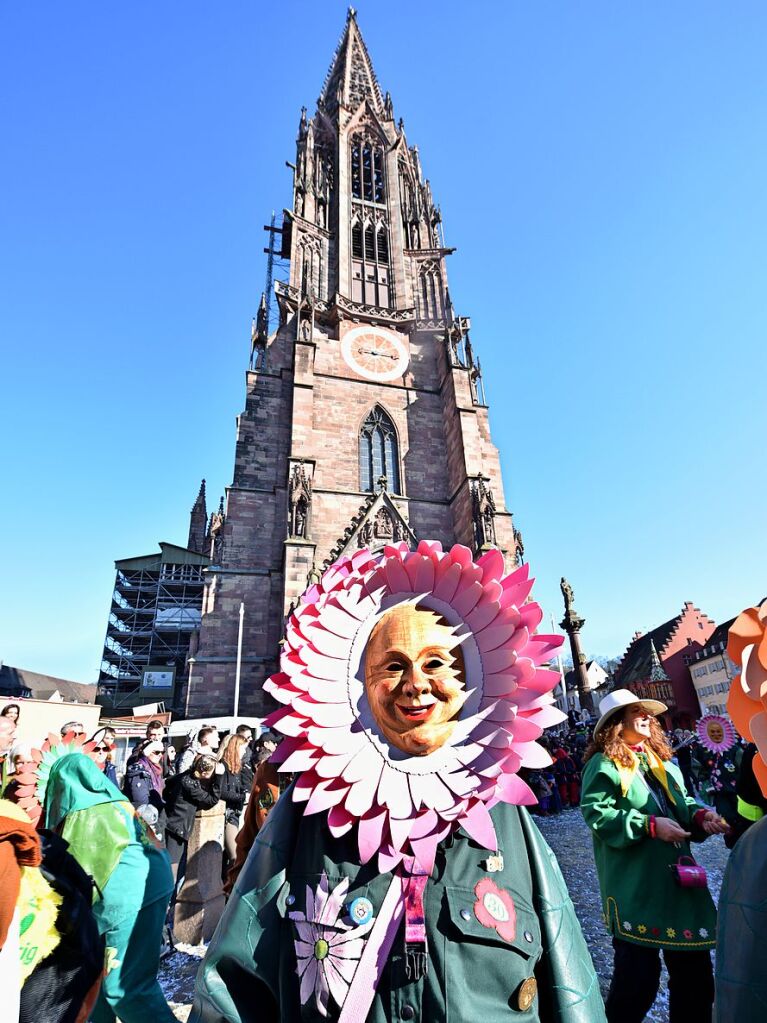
column 364, row 419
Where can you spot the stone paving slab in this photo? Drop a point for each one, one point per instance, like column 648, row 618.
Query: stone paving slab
column 570, row 840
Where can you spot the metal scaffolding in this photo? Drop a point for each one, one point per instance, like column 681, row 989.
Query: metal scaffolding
column 156, row 607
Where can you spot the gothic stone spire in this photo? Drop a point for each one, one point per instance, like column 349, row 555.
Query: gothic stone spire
column 351, row 78
column 198, row 523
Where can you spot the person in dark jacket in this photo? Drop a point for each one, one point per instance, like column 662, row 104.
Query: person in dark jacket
column 103, row 751
column 145, row 785
column 199, row 788
column 236, row 782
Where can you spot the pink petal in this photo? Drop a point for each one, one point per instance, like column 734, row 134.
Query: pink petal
column 328, row 715
column 525, row 730
column 333, row 740
column 499, row 660
column 541, row 648
column 531, row 615
column 331, row 766
column 483, row 614
column 532, row 754
column 393, row 791
column 544, row 680
column 326, row 793
column 467, row 597
column 492, row 565
column 389, row 859
column 302, row 759
column 322, row 991
column 511, row 789
column 339, row 821
column 461, row 555
column 397, row 578
column 370, row 833
column 500, row 683
column 360, row 798
column 495, row 635
column 424, row 825
column 431, row 549
column 479, row 825
column 462, row 783
column 338, row 621
column 447, row 576
column 420, row 571
column 399, row 831
column 424, row 850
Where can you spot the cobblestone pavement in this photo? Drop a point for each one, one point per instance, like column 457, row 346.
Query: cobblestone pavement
column 570, row 839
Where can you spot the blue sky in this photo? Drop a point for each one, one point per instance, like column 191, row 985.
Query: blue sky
column 601, row 169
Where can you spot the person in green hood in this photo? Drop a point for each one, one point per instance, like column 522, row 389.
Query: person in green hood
column 132, row 883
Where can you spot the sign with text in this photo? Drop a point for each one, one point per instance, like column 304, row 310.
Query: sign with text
column 158, row 681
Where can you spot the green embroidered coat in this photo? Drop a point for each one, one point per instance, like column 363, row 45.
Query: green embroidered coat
column 475, row 973
column 640, row 899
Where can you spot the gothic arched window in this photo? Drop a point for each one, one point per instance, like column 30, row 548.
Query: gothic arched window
column 368, row 179
column 378, row 452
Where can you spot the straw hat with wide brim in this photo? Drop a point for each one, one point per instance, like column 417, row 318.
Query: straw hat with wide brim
column 619, row 699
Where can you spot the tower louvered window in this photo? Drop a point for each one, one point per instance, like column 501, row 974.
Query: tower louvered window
column 378, row 452
column 370, row 273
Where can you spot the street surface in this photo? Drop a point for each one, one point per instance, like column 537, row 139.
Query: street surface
column 571, row 841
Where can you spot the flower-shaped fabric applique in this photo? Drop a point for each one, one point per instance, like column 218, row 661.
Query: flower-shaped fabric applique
column 702, row 932
column 627, row 926
column 404, row 807
column 670, row 932
column 494, row 908
column 688, row 934
column 327, row 949
column 642, row 928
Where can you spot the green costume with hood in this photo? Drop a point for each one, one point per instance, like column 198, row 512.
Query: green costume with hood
column 132, row 886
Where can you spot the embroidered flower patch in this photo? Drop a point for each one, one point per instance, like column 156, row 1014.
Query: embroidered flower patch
column 494, row 908
column 327, row 949
column 703, row 932
column 688, row 934
column 642, row 929
column 670, row 932
column 627, row 926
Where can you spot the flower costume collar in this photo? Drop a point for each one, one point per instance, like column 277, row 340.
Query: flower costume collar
column 404, row 806
column 747, row 702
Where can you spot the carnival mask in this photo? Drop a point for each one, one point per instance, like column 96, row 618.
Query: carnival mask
column 414, row 679
column 715, row 732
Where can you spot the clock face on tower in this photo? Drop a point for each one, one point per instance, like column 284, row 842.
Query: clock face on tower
column 375, row 353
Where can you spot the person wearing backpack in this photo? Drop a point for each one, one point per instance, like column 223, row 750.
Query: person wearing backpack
column 132, row 885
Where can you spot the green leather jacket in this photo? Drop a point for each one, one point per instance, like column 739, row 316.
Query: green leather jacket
column 249, row 974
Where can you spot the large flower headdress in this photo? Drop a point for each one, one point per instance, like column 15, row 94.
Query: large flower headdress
column 747, row 702
column 709, row 727
column 404, row 806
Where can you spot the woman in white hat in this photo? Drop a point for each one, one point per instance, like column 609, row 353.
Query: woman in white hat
column 641, row 819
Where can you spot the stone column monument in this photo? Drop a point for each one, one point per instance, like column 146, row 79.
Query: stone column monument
column 572, row 623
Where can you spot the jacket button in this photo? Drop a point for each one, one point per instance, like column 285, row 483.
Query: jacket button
column 526, row 994
column 290, row 900
column 465, row 914
column 407, row 1012
column 527, row 936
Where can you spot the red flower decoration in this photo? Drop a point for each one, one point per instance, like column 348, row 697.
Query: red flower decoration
column 494, row 908
column 655, row 931
column 687, row 934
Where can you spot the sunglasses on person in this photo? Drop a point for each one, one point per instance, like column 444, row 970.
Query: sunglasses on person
column 101, row 749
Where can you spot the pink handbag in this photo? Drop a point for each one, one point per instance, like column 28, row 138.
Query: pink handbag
column 689, row 875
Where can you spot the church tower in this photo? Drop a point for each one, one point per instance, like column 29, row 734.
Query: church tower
column 365, row 420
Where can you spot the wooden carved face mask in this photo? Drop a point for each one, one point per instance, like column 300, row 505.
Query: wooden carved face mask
column 415, row 679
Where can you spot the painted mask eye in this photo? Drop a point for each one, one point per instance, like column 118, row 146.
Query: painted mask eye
column 395, row 665
column 434, row 664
